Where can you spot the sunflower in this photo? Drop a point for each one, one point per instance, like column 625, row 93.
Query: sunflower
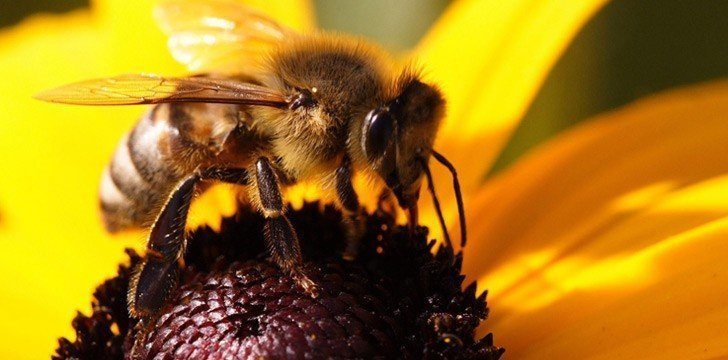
column 606, row 242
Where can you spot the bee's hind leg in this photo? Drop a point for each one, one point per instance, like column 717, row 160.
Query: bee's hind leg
column 353, row 218
column 280, row 236
column 156, row 278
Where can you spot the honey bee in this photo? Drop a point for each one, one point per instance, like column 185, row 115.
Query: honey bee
column 273, row 107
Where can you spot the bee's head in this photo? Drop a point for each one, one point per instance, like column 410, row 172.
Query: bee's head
column 397, row 137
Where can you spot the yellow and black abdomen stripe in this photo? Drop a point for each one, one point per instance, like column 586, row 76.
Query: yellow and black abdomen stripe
column 136, row 182
column 166, row 145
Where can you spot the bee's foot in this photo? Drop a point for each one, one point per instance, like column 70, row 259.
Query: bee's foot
column 308, row 285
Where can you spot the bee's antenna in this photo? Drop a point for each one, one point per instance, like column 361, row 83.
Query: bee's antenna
column 458, row 194
column 435, row 201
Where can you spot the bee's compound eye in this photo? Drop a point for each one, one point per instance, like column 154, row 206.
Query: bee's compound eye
column 378, row 128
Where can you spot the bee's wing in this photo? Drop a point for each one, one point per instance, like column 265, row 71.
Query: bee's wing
column 217, row 35
column 151, row 89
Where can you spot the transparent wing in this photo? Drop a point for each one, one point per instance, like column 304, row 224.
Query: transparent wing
column 217, row 35
column 151, row 89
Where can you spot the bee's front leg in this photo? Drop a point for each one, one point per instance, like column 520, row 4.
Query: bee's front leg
column 279, row 233
column 349, row 200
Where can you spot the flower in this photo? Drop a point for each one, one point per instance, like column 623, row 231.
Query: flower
column 605, row 242
column 396, row 299
column 609, row 241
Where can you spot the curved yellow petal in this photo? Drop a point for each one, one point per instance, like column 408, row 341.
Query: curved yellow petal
column 664, row 301
column 609, row 242
column 490, row 57
column 54, row 250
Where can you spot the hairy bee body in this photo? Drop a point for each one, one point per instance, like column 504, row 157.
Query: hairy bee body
column 275, row 107
column 172, row 140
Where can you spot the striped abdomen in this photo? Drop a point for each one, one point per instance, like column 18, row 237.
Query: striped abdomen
column 167, row 144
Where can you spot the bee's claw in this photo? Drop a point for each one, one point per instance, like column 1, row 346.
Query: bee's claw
column 308, row 285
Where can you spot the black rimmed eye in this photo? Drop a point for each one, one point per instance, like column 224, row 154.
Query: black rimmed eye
column 378, row 128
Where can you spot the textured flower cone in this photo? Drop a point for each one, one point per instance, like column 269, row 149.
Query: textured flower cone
column 395, row 300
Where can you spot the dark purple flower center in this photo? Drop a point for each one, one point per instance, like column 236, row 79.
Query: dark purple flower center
column 395, row 300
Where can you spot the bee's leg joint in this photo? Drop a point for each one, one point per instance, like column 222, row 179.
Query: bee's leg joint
column 353, row 219
column 279, row 233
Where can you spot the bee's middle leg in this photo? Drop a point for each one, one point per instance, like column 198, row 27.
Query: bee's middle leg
column 280, row 236
column 353, row 217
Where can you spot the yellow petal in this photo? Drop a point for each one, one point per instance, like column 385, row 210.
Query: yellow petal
column 609, row 242
column 54, row 250
column 490, row 57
